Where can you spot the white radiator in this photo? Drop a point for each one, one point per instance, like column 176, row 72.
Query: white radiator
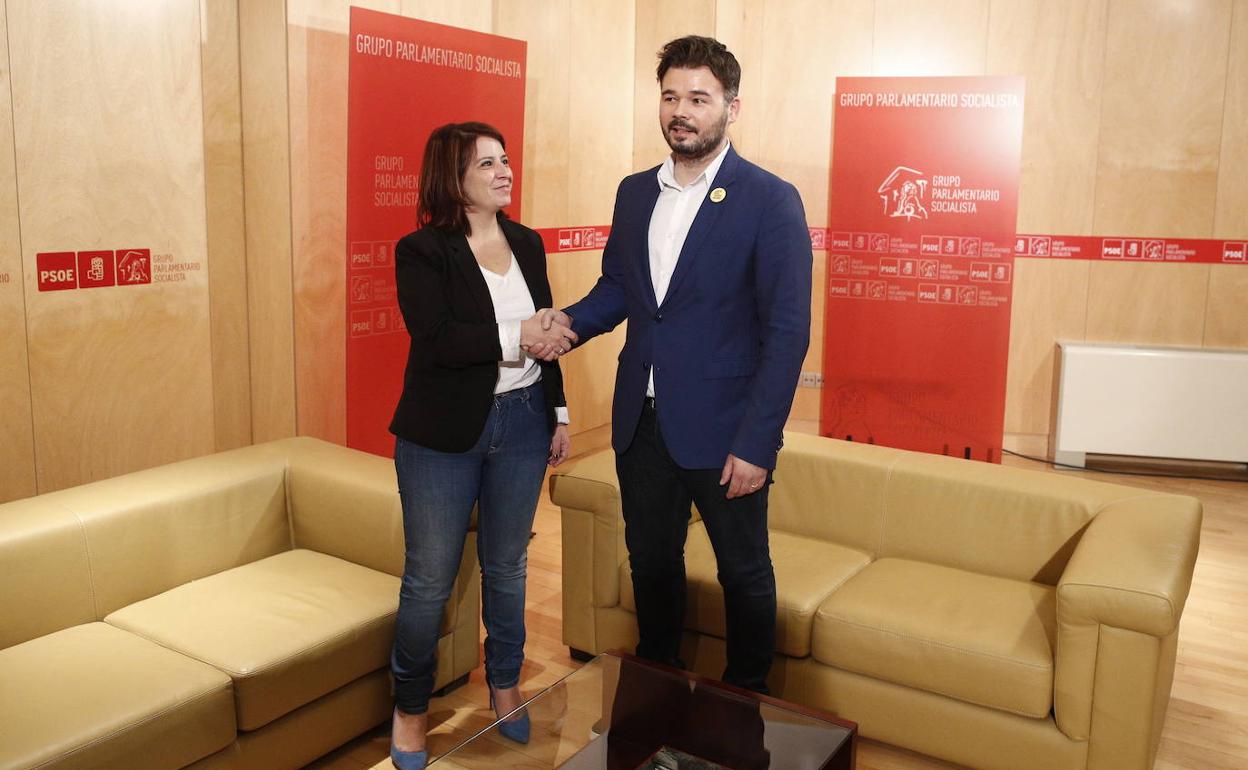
column 1183, row 403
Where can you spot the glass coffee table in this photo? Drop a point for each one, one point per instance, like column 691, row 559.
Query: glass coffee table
column 619, row 712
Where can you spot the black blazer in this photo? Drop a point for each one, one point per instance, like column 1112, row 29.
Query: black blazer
column 452, row 361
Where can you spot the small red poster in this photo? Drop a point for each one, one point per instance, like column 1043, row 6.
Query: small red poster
column 134, row 266
column 407, row 77
column 95, row 269
column 57, row 270
column 920, row 264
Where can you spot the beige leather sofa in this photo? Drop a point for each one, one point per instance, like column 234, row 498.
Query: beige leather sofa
column 998, row 618
column 231, row 611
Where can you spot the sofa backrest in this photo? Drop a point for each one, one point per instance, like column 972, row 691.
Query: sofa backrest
column 146, row 532
column 981, row 517
column 970, row 515
column 831, row 490
column 45, row 577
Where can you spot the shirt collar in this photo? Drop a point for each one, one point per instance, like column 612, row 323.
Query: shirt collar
column 667, row 172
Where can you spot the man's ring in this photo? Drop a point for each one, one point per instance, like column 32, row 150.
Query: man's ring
column 754, row 485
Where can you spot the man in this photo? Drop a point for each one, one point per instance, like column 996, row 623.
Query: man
column 709, row 260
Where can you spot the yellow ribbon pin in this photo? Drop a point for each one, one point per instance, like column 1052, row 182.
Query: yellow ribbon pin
column 718, row 194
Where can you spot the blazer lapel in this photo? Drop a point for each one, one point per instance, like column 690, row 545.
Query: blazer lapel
column 703, row 223
column 646, row 204
column 462, row 256
column 530, row 265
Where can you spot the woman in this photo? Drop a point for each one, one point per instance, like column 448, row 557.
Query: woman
column 482, row 413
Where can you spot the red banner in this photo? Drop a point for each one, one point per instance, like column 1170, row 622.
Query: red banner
column 1094, row 247
column 1189, row 250
column 591, row 238
column 407, row 77
column 924, row 198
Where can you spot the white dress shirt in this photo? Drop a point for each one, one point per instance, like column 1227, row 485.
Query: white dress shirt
column 512, row 304
column 673, row 215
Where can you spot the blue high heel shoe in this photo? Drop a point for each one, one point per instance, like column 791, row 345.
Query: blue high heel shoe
column 517, row 729
column 408, row 760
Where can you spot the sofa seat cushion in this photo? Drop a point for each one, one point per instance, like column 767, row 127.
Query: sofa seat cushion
column 94, row 696
column 287, row 629
column 807, row 571
column 983, row 640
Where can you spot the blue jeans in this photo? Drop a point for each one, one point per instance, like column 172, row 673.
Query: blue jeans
column 503, row 473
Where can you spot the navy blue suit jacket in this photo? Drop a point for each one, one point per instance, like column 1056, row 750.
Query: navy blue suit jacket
column 728, row 340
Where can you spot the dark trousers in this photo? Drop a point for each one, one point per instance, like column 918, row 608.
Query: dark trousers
column 656, row 495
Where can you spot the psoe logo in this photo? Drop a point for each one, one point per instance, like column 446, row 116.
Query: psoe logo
column 903, row 193
column 57, row 270
column 134, row 266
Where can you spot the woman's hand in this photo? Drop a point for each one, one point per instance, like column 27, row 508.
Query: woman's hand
column 560, row 445
column 546, row 343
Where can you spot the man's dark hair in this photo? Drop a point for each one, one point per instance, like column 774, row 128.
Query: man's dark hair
column 693, row 51
column 448, row 153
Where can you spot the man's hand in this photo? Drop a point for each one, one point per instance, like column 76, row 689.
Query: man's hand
column 552, row 316
column 545, row 342
column 745, row 478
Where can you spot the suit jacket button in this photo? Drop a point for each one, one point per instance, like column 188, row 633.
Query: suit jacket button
column 658, row 318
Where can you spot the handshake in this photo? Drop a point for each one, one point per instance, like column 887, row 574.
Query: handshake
column 547, row 335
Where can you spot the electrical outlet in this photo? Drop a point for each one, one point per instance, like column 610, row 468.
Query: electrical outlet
column 810, row 380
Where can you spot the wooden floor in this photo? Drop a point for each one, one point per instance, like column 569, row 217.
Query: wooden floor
column 1206, row 725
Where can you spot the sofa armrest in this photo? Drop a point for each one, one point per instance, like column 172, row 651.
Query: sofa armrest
column 1131, row 571
column 588, row 496
column 345, row 503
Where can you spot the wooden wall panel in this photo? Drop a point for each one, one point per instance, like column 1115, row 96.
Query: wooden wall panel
column 1231, row 218
column 600, row 63
column 600, row 45
column 1050, row 304
column 318, row 51
column 739, row 25
column 466, row 14
column 1161, row 120
column 578, row 145
column 917, row 37
column 266, row 167
column 17, row 438
column 227, row 245
column 548, row 125
column 1226, row 321
column 318, row 207
column 796, row 110
column 109, row 146
column 795, row 114
column 1147, row 304
column 657, row 22
column 1059, row 47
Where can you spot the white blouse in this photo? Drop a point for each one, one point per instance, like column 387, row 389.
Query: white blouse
column 512, row 304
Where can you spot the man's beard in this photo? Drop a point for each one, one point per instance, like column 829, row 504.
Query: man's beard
column 702, row 145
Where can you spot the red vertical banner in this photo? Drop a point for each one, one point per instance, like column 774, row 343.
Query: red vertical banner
column 407, row 77
column 920, row 265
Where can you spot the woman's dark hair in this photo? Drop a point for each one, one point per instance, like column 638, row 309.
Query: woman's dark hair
column 694, row 51
column 448, row 153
